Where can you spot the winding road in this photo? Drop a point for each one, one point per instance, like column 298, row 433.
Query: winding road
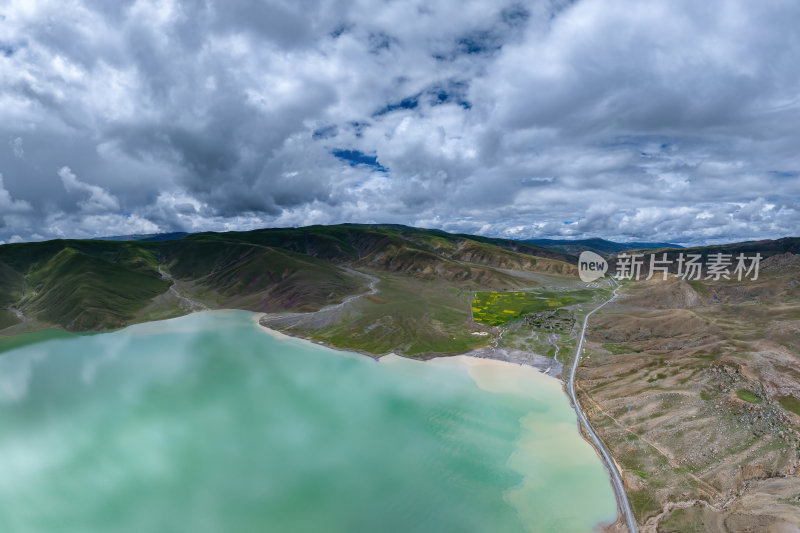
column 616, row 479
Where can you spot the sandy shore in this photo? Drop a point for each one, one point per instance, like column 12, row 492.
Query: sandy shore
column 272, row 332
column 501, row 377
column 546, row 365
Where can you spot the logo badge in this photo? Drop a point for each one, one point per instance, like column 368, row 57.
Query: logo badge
column 591, row 266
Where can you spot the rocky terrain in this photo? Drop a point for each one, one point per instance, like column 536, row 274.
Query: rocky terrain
column 695, row 388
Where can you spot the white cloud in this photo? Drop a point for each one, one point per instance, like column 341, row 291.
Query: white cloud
column 99, row 199
column 84, row 226
column 529, row 118
column 9, row 205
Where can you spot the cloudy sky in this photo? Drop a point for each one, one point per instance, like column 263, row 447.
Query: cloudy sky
column 666, row 119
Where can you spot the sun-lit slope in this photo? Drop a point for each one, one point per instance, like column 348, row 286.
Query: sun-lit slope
column 491, row 255
column 498, row 253
column 520, row 247
column 352, row 242
column 425, row 254
column 401, row 257
column 423, row 302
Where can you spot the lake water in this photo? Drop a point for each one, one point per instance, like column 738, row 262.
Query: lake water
column 208, row 423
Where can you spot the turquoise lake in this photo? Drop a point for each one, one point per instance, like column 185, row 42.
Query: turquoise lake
column 209, row 423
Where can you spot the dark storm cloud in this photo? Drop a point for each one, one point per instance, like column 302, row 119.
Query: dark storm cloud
column 659, row 120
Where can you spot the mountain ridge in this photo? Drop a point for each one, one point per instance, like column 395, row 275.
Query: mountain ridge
column 93, row 285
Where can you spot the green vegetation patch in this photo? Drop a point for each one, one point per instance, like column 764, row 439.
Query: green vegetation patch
column 790, row 403
column 699, row 287
column 497, row 308
column 7, row 319
column 748, row 396
column 643, row 504
column 617, row 349
column 707, row 396
column 683, row 521
column 705, row 356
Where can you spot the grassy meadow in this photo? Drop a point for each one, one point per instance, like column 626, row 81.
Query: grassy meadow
column 497, row 308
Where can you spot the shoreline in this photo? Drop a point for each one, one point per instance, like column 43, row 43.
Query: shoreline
column 514, row 358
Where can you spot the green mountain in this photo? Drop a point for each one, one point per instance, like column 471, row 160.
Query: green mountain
column 429, row 276
column 426, row 280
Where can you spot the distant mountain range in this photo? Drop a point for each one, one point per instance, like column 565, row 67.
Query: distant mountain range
column 600, row 246
column 146, row 237
column 567, row 247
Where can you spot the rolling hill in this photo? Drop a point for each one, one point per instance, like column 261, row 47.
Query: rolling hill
column 94, row 285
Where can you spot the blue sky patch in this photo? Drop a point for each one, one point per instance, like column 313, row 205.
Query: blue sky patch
column 453, row 92
column 478, row 42
column 355, row 158
column 412, row 102
column 6, row 50
column 326, row 132
column 515, row 15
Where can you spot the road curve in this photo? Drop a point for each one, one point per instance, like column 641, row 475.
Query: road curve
column 616, row 479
